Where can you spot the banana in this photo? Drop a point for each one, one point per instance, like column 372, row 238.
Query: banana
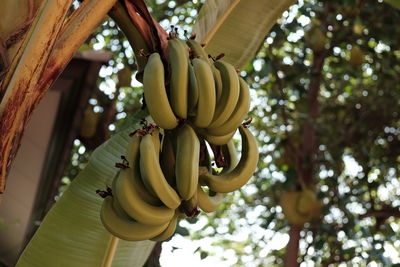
column 119, row 210
column 169, row 231
column 308, row 201
column 216, row 140
column 206, row 102
column 155, row 94
column 190, row 207
column 187, row 162
column 132, row 195
column 230, row 93
column 125, row 229
column 155, row 135
column 288, row 202
column 197, row 50
column 231, row 181
column 230, row 155
column 136, row 180
column 151, row 172
column 179, row 60
column 238, row 115
column 193, row 96
column 207, row 202
column 218, row 82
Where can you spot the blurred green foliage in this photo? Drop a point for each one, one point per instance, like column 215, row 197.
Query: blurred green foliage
column 302, row 81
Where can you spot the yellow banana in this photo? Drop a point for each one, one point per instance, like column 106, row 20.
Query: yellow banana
column 155, row 94
column 231, row 181
column 127, row 229
column 206, row 102
column 238, row 115
column 132, row 195
column 151, row 172
column 193, row 96
column 216, row 140
column 230, row 93
column 179, row 60
column 169, row 231
column 207, row 202
column 187, row 162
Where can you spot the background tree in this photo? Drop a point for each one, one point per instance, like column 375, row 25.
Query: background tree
column 327, row 114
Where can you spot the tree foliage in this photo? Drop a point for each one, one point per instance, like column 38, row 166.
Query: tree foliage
column 325, row 115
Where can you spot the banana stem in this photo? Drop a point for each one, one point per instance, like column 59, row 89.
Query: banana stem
column 136, row 40
column 219, row 22
column 112, row 247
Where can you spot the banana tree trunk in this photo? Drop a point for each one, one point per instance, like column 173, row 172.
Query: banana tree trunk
column 44, row 51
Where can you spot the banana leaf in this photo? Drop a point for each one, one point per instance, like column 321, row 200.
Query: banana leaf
column 393, row 3
column 237, row 28
column 72, row 234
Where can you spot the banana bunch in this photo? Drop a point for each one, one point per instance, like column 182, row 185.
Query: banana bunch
column 300, row 207
column 162, row 181
column 167, row 173
column 207, row 92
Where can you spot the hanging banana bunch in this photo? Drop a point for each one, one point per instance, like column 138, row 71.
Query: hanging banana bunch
column 167, row 172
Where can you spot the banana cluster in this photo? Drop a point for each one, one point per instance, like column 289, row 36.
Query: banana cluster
column 168, row 173
column 300, row 207
column 207, row 92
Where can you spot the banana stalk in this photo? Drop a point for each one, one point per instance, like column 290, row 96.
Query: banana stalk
column 39, row 61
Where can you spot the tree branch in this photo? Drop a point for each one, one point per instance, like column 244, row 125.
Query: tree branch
column 381, row 214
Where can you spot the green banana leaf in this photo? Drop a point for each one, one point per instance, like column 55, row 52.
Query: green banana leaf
column 71, row 233
column 242, row 32
column 393, row 3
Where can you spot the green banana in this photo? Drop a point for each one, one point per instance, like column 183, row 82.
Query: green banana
column 230, row 155
column 197, row 50
column 125, row 229
column 216, row 140
column 155, row 94
column 179, row 60
column 169, row 231
column 238, row 115
column 231, row 181
column 132, row 195
column 230, row 93
column 119, row 210
column 187, row 162
column 206, row 102
column 218, row 83
column 308, row 201
column 207, row 202
column 151, row 173
column 193, row 92
column 288, row 202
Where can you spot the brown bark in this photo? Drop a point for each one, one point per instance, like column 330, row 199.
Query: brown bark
column 381, row 214
column 292, row 248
